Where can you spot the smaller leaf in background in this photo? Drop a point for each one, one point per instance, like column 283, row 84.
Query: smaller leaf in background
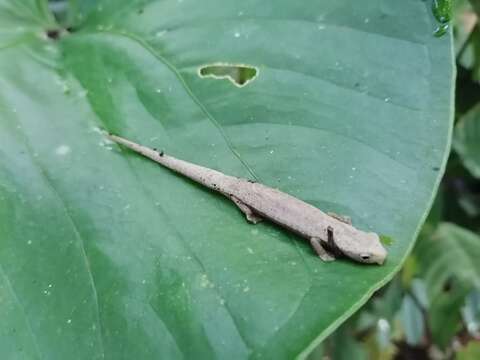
column 469, row 352
column 412, row 320
column 451, row 253
column 466, row 140
column 444, row 316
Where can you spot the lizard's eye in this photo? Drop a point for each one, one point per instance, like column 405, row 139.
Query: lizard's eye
column 365, row 256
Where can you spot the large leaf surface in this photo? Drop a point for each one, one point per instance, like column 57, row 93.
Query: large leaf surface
column 103, row 254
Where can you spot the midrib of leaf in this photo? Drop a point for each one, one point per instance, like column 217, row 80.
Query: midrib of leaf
column 190, row 93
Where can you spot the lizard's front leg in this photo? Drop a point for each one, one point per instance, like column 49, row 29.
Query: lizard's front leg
column 324, row 254
column 249, row 214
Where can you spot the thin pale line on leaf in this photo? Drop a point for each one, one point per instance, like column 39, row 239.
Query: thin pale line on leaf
column 22, row 308
column 77, row 234
column 189, row 92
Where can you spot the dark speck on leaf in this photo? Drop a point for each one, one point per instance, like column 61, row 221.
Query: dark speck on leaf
column 252, row 181
column 435, row 168
column 161, row 153
column 53, row 34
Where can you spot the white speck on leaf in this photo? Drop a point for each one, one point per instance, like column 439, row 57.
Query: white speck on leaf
column 69, row 321
column 237, row 34
column 205, row 282
column 62, row 150
column 250, row 250
column 97, row 130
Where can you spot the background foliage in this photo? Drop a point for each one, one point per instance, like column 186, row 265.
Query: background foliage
column 431, row 310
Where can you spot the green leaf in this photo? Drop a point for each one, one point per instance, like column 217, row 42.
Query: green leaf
column 445, row 313
column 467, row 140
column 104, row 254
column 450, row 269
column 451, row 254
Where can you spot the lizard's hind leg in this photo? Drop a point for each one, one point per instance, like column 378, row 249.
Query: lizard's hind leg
column 249, row 214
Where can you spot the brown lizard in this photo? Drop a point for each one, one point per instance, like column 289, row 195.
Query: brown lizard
column 329, row 234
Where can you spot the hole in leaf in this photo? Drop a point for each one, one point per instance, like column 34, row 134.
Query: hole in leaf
column 53, row 34
column 238, row 74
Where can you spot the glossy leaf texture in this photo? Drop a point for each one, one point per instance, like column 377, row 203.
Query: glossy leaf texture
column 104, row 254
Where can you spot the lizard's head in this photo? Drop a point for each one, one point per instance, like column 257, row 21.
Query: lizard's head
column 364, row 247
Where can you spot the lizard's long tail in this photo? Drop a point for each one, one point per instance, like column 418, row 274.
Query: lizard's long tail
column 208, row 177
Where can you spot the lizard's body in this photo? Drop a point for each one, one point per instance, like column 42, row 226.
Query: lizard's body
column 329, row 234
